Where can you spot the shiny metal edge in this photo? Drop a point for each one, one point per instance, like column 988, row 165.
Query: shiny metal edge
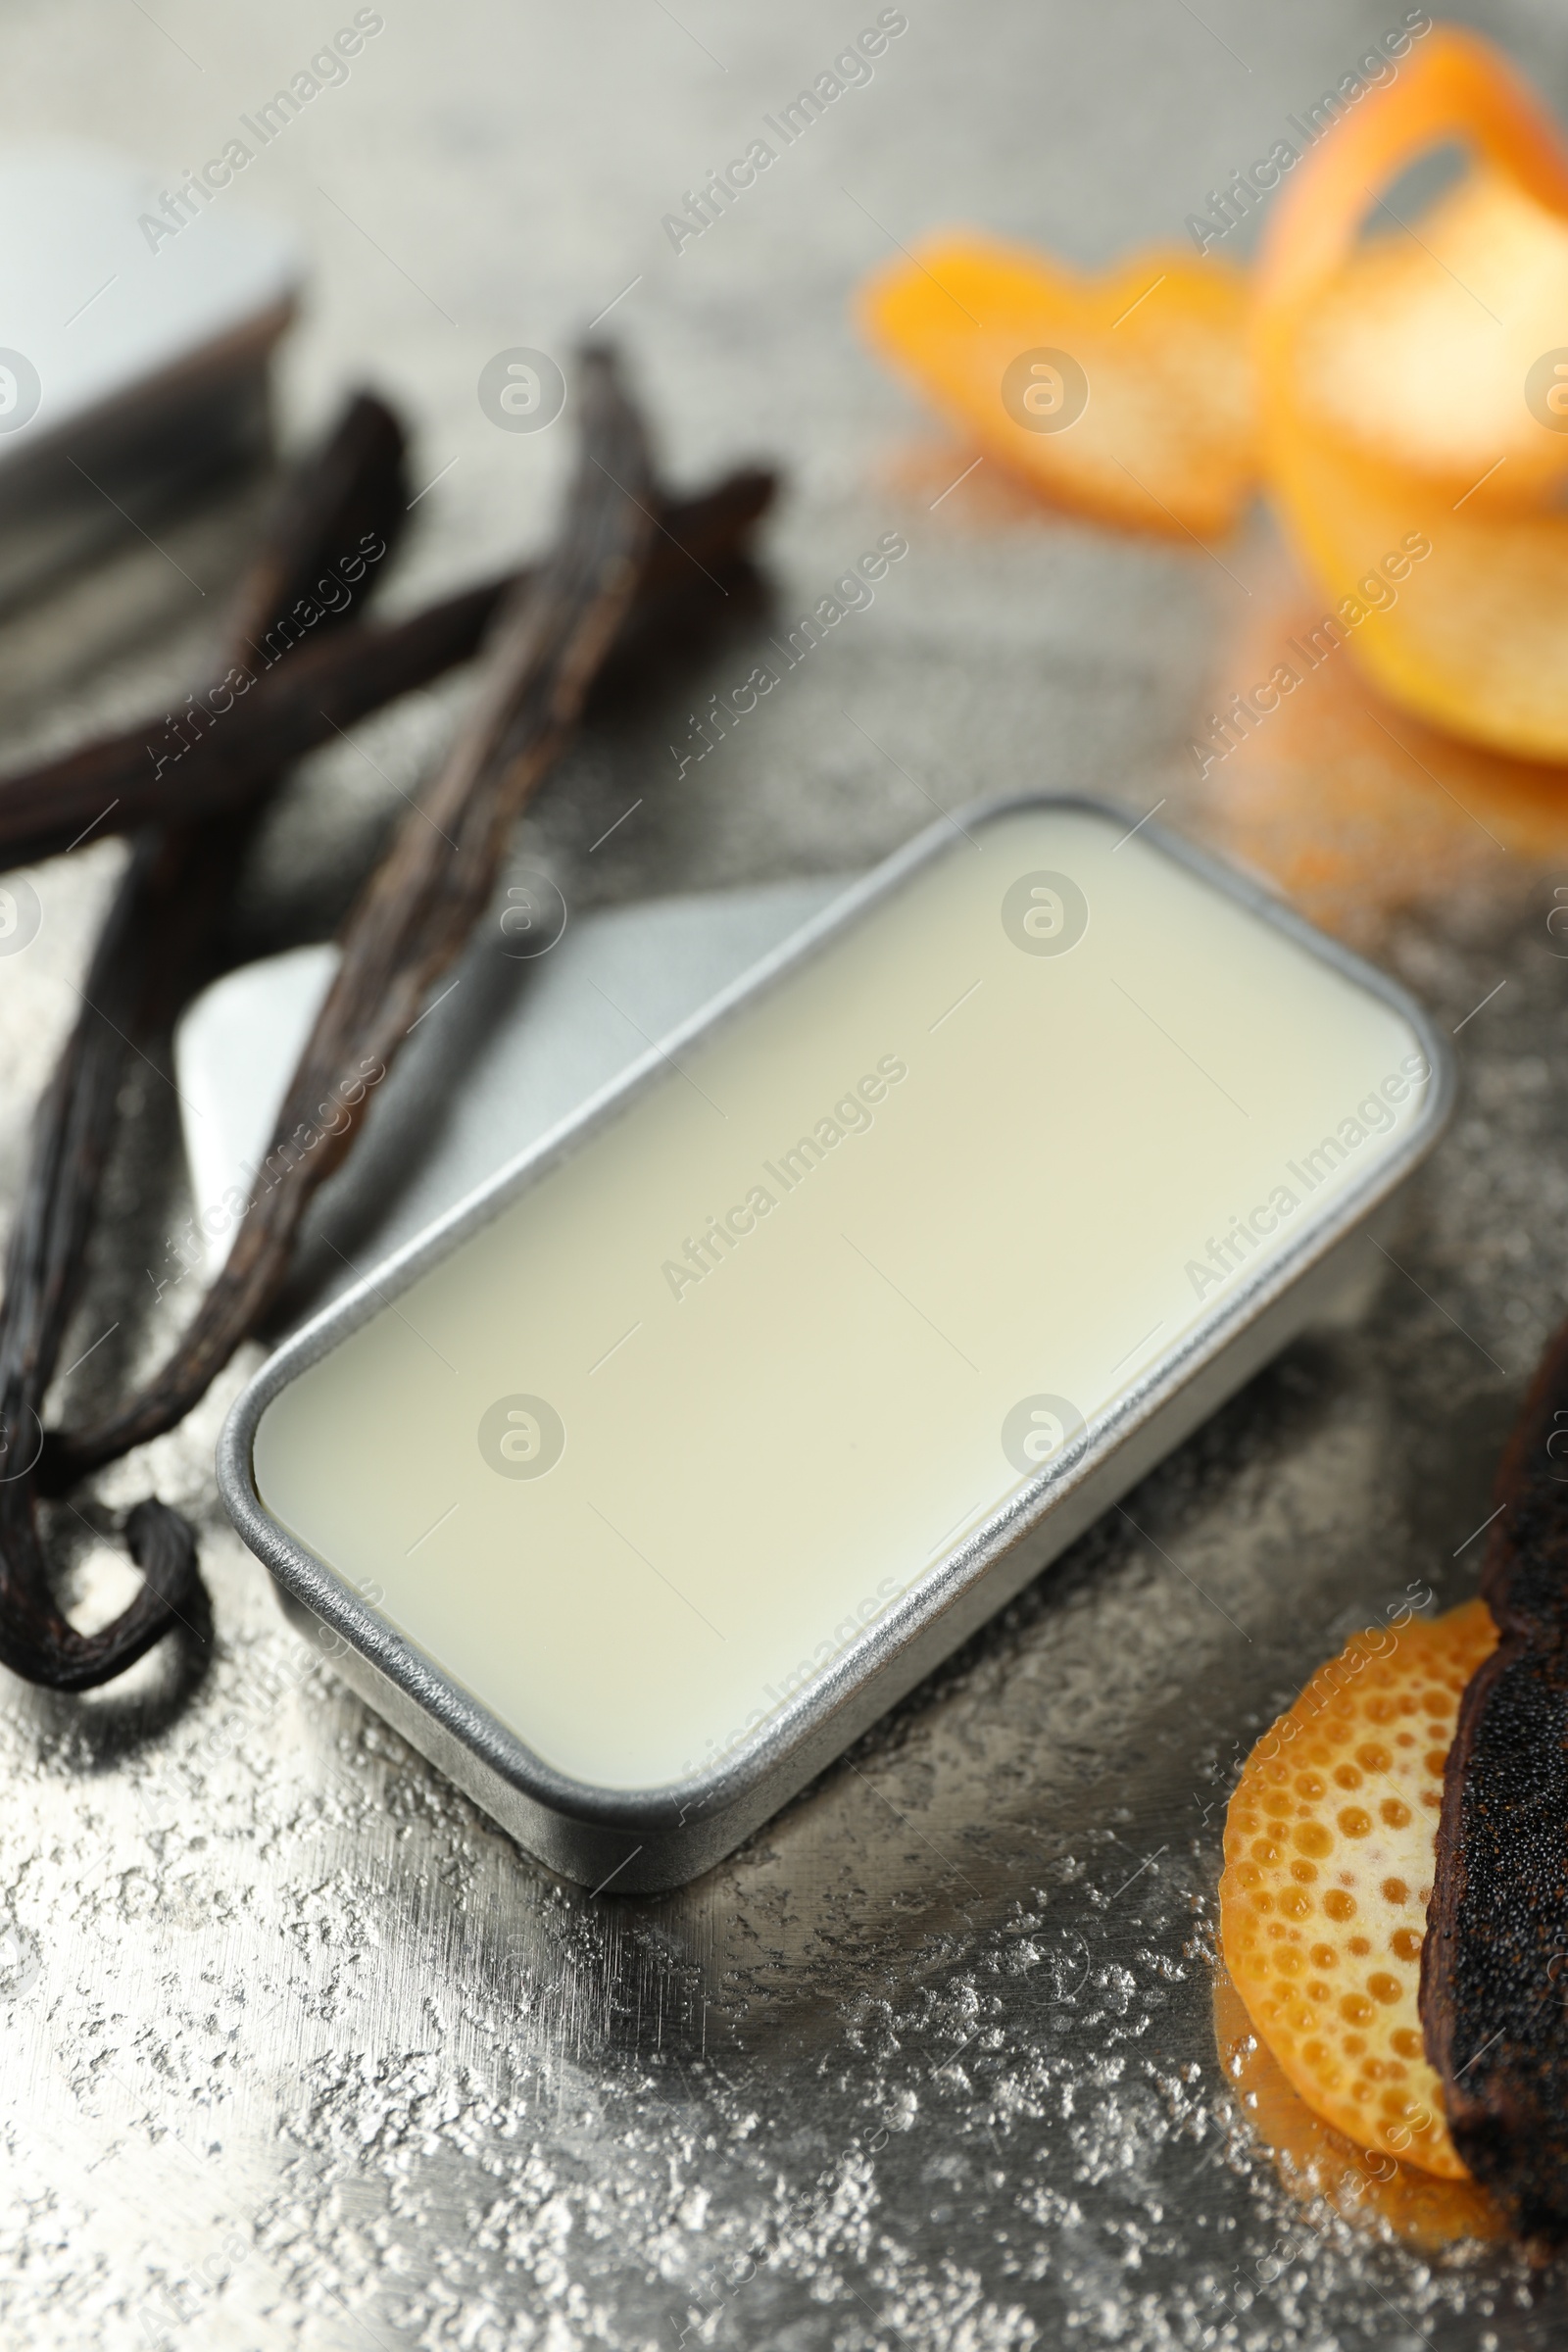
column 643, row 1841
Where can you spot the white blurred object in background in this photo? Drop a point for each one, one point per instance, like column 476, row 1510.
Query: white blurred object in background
column 133, row 360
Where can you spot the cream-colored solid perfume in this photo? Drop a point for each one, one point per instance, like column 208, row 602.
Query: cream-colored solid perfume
column 683, row 1414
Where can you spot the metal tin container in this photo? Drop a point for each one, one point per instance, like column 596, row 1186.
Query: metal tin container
column 1057, row 1468
column 139, row 328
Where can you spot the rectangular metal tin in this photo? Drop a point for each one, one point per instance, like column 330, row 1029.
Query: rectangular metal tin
column 657, row 1838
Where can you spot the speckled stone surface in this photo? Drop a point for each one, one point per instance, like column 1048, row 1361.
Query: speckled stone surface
column 298, row 2051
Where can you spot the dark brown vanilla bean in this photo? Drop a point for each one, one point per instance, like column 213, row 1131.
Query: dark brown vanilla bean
column 158, row 904
column 330, row 681
column 156, row 946
column 433, row 883
column 1494, row 1961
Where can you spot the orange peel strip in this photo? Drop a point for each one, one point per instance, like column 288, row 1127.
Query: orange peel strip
column 1476, row 641
column 1415, row 351
column 1329, row 1853
column 1150, row 422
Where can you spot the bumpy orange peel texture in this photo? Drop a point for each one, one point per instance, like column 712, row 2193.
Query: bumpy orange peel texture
column 1329, row 1846
column 1382, row 2192
column 1127, row 395
column 1406, row 387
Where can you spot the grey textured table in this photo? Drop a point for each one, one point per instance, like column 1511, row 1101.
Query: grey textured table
column 298, row 2049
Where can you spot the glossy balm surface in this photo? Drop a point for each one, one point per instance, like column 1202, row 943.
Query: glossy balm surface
column 640, row 1457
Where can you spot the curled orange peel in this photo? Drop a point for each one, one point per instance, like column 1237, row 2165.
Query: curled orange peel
column 1415, row 353
column 1455, row 87
column 1477, row 639
column 1329, row 1846
column 1127, row 395
column 1379, row 385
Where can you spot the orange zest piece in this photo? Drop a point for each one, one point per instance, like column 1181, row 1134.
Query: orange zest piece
column 1380, row 2191
column 1127, row 395
column 1417, row 352
column 1329, row 1845
column 1398, row 398
column 1410, row 389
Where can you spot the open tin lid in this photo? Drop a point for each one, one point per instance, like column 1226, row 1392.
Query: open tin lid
column 136, row 321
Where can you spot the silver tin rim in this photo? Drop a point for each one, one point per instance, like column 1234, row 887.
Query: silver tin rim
column 805, row 1720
